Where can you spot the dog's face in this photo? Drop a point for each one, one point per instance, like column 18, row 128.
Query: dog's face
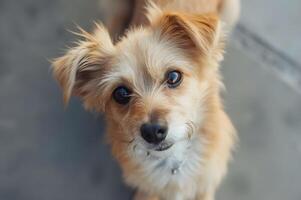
column 153, row 84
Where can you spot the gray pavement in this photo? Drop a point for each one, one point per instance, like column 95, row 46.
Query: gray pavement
column 267, row 115
column 48, row 153
column 277, row 22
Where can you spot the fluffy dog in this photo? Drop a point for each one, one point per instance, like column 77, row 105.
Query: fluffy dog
column 159, row 88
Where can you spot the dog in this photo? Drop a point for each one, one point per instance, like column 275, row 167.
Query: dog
column 159, row 89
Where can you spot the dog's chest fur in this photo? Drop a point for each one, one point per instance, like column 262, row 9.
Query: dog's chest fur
column 180, row 171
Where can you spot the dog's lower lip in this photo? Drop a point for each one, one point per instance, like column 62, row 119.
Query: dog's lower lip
column 163, row 147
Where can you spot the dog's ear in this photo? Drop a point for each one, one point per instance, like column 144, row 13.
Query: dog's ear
column 79, row 70
column 200, row 33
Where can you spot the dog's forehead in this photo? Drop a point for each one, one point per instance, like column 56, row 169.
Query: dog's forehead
column 144, row 51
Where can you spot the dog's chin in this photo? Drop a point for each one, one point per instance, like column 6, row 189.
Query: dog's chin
column 161, row 150
column 163, row 146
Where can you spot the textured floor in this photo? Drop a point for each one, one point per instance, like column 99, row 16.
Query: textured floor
column 48, row 153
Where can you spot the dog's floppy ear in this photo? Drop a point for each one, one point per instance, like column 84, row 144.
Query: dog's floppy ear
column 79, row 70
column 200, row 32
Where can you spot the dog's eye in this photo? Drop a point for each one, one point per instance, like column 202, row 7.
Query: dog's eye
column 173, row 78
column 122, row 95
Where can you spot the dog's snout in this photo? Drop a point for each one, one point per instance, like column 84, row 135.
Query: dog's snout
column 153, row 133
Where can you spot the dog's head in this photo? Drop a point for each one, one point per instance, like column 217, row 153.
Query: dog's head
column 155, row 85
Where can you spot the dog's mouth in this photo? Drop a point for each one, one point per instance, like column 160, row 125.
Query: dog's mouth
column 163, row 146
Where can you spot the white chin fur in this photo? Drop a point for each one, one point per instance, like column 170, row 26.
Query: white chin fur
column 177, row 165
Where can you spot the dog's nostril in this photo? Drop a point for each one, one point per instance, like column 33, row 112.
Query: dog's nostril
column 153, row 133
column 161, row 131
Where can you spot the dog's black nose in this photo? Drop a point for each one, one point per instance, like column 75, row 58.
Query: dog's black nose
column 153, row 133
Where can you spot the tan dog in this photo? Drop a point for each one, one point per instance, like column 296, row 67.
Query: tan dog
column 159, row 87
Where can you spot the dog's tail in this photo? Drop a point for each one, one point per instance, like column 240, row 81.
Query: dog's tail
column 229, row 11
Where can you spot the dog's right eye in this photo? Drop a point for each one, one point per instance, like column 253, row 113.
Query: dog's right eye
column 122, row 95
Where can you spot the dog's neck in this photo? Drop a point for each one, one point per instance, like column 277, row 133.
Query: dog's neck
column 193, row 6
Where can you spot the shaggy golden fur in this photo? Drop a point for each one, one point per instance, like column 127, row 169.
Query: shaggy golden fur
column 183, row 35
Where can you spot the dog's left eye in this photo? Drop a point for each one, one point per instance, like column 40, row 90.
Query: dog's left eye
column 173, row 78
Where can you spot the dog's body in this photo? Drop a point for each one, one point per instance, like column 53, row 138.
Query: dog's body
column 159, row 87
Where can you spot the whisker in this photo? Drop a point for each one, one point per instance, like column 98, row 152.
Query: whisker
column 191, row 129
column 124, row 141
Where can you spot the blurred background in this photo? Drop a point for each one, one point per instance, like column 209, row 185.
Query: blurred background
column 51, row 153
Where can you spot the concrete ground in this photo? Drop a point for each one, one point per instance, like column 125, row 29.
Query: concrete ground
column 48, row 153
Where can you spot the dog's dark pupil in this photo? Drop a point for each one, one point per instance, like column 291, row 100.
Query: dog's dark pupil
column 121, row 95
column 173, row 78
